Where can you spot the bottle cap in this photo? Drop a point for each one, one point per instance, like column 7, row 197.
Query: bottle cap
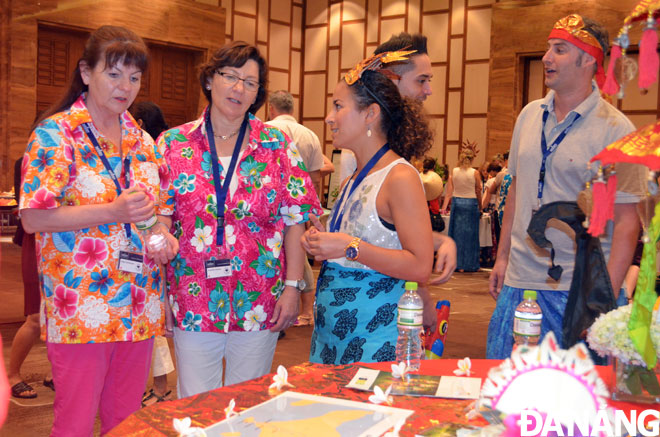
column 411, row 285
column 529, row 294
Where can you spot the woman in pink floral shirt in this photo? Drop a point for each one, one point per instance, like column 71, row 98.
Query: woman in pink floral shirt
column 227, row 283
column 89, row 173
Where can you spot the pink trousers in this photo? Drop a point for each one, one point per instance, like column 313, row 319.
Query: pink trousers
column 108, row 378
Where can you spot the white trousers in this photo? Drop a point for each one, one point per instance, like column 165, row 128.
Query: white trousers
column 199, row 356
column 161, row 360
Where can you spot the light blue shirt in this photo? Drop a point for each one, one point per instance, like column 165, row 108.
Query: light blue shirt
column 599, row 125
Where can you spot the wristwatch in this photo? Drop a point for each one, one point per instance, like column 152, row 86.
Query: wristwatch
column 352, row 251
column 299, row 285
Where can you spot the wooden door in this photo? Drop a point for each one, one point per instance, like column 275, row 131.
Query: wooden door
column 170, row 81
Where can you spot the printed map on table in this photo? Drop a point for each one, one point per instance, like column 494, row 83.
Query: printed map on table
column 293, row 414
column 453, row 387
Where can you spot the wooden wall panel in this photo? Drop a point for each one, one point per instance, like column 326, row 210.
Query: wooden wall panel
column 510, row 40
column 178, row 23
column 450, row 25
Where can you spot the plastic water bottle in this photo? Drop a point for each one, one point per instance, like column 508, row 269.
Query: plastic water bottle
column 527, row 320
column 409, row 322
column 153, row 238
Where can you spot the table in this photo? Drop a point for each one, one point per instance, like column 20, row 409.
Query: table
column 207, row 408
column 485, row 231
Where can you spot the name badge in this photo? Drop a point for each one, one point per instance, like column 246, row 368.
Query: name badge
column 130, row 262
column 217, row 268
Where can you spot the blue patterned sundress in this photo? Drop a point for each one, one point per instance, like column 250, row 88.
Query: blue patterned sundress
column 356, row 306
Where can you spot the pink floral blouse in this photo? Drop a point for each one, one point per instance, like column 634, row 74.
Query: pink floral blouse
column 86, row 298
column 274, row 191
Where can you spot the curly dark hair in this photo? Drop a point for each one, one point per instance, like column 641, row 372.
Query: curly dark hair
column 235, row 54
column 402, row 119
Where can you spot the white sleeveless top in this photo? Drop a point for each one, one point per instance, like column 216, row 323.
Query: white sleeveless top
column 361, row 216
column 464, row 183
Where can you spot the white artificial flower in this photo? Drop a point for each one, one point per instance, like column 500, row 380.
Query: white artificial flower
column 94, row 312
column 182, row 426
column 380, row 397
column 396, row 428
column 229, row 411
column 464, row 367
column 399, row 370
column 89, row 183
column 275, row 244
column 291, row 215
column 202, row 238
column 254, row 318
column 280, row 380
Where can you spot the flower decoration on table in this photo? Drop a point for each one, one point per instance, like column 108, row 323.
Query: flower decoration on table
column 229, row 411
column 182, row 426
column 464, row 367
column 399, row 370
column 395, row 429
column 280, row 380
column 380, row 396
column 609, row 337
column 561, row 383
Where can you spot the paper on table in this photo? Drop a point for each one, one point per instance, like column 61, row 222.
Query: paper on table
column 453, row 387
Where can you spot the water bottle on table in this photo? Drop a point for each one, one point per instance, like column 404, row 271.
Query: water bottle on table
column 409, row 323
column 527, row 321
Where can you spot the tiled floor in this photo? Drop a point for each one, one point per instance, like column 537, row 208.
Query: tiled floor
column 471, row 307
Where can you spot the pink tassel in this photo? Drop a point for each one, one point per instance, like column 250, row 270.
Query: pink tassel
column 610, row 196
column 599, row 209
column 611, row 86
column 648, row 57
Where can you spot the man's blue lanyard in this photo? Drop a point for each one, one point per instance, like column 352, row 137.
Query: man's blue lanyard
column 221, row 188
column 87, row 127
column 547, row 151
column 338, row 213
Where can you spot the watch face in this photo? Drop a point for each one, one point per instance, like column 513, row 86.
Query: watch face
column 351, row 253
column 302, row 284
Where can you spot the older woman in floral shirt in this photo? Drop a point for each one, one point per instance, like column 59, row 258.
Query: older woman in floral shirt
column 241, row 197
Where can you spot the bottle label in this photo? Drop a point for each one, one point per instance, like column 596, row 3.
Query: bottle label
column 143, row 226
column 410, row 316
column 526, row 324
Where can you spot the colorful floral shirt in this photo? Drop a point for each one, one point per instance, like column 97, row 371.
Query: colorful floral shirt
column 85, row 297
column 273, row 191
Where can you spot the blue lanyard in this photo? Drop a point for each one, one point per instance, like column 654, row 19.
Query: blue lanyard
column 338, row 213
column 547, row 151
column 221, row 189
column 87, row 127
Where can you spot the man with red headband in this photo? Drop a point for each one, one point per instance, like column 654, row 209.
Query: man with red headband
column 553, row 140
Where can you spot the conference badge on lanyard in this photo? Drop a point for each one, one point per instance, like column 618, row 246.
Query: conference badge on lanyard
column 217, row 268
column 130, row 257
column 130, row 262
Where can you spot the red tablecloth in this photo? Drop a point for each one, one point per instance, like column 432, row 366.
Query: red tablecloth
column 208, row 408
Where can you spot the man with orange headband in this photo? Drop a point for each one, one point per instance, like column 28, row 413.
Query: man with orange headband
column 553, row 140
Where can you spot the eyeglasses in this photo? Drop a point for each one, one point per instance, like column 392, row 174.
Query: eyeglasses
column 232, row 79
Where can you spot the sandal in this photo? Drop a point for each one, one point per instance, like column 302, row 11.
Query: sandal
column 152, row 398
column 49, row 383
column 19, row 389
